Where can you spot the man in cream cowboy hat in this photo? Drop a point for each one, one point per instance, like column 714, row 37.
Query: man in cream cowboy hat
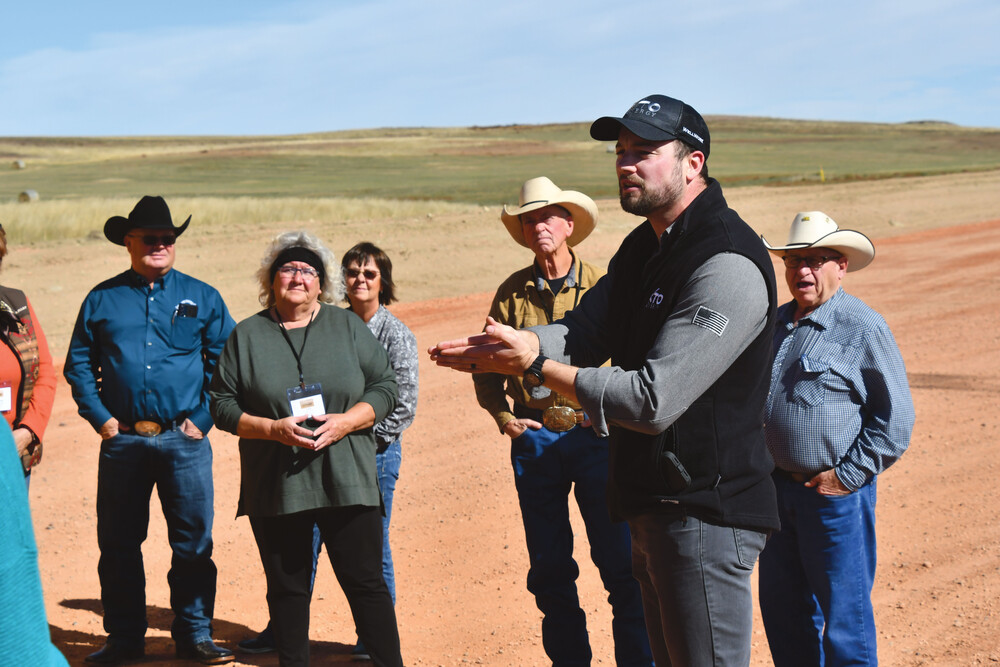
column 839, row 413
column 551, row 448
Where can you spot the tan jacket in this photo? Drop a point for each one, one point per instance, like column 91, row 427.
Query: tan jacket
column 524, row 300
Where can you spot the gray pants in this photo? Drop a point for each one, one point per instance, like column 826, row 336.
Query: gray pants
column 696, row 593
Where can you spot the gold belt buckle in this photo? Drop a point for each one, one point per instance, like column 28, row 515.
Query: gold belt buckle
column 147, row 428
column 560, row 418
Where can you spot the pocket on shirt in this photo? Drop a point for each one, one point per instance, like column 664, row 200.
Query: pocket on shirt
column 809, row 389
column 185, row 333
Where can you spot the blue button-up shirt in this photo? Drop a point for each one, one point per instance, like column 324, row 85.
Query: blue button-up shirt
column 839, row 396
column 141, row 352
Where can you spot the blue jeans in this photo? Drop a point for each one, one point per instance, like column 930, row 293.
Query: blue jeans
column 387, row 466
column 816, row 578
column 546, row 466
column 181, row 469
column 695, row 579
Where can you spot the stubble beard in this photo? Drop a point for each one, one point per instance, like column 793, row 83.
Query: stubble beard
column 649, row 200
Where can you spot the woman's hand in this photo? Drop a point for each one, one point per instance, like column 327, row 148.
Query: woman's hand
column 22, row 438
column 334, row 427
column 288, row 432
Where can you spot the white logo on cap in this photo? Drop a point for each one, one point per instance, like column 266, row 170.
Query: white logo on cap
column 687, row 131
column 646, row 108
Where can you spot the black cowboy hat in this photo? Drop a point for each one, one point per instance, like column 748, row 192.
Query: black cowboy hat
column 149, row 213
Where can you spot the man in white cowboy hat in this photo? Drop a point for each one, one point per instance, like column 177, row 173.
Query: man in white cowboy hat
column 685, row 314
column 140, row 361
column 552, row 449
column 838, row 414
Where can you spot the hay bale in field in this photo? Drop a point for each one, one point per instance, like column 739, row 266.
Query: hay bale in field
column 27, row 196
column 17, row 164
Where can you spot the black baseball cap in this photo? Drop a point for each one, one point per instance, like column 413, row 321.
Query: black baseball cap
column 657, row 118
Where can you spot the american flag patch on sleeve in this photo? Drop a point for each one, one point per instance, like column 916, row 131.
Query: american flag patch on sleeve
column 711, row 320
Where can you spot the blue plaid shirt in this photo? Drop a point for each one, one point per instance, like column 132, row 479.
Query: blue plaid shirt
column 839, row 396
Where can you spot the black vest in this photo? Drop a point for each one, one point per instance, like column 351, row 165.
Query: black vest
column 719, row 439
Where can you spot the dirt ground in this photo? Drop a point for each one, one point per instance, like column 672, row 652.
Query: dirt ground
column 456, row 533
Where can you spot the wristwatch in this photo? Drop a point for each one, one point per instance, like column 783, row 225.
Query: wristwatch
column 533, row 377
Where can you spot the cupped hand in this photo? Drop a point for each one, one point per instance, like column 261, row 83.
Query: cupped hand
column 499, row 349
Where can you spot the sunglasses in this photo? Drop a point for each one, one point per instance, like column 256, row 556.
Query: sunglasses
column 154, row 240
column 368, row 273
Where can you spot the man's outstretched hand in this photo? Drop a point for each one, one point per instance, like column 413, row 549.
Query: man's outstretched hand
column 499, row 349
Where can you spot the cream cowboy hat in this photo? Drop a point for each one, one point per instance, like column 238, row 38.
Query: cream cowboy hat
column 817, row 229
column 541, row 192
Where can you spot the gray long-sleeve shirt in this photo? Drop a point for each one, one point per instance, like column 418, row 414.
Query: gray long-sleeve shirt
column 674, row 373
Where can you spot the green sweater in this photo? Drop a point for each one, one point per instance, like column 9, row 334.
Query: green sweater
column 256, row 368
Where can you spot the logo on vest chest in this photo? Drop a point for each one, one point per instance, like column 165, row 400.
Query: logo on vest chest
column 655, row 300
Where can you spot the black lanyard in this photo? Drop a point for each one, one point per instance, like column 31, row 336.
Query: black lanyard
column 305, row 337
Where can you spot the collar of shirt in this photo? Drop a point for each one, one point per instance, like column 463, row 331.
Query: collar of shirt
column 377, row 320
column 821, row 318
column 140, row 281
column 540, row 283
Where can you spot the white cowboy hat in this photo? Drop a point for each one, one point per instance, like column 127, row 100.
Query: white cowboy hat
column 817, row 229
column 541, row 192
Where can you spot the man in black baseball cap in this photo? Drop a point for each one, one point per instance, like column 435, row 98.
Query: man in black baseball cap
column 686, row 315
column 657, row 118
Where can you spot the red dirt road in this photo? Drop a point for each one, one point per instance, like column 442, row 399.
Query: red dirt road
column 457, row 538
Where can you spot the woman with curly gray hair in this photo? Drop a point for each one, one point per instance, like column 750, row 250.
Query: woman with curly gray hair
column 301, row 383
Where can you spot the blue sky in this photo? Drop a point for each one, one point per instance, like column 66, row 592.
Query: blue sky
column 111, row 67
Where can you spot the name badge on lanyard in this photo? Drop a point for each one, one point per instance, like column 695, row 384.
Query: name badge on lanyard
column 306, row 400
column 6, row 397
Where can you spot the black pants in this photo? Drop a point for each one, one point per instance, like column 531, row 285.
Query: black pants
column 353, row 538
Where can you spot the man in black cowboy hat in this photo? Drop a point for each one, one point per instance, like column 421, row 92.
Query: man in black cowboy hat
column 685, row 314
column 139, row 363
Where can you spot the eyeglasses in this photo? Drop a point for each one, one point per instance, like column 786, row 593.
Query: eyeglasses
column 814, row 263
column 154, row 240
column 368, row 273
column 308, row 273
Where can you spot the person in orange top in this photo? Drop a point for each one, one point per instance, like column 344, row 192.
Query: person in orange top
column 27, row 378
